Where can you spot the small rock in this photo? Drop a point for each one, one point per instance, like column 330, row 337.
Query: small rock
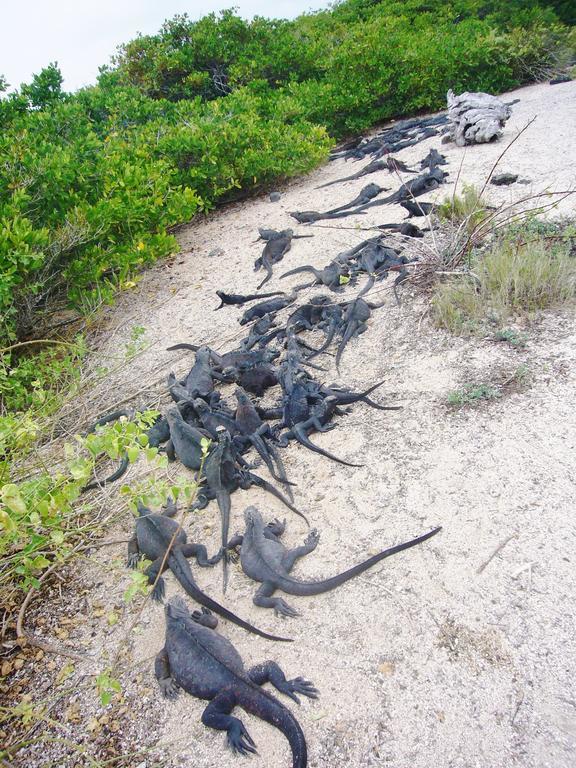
column 216, row 253
column 503, row 179
column 275, row 196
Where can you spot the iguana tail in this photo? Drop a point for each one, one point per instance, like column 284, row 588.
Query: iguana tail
column 268, row 454
column 303, row 439
column 224, row 505
column 257, row 701
column 183, row 345
column 266, row 486
column 299, row 270
column 306, row 588
column 181, row 570
column 124, row 464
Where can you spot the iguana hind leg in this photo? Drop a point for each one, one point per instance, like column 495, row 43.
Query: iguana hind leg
column 270, row 672
column 264, row 599
column 200, row 552
column 205, row 617
column 217, row 715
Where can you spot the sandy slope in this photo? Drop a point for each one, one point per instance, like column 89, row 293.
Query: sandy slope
column 424, row 660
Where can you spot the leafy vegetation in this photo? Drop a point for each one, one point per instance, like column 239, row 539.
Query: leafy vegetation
column 471, row 394
column 497, row 384
column 521, row 272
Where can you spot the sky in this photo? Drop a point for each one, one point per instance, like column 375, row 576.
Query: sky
column 81, row 35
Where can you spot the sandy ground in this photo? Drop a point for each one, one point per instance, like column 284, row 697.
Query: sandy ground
column 433, row 657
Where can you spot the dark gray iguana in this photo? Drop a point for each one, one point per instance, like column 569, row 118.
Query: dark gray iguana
column 265, row 559
column 207, row 666
column 151, row 539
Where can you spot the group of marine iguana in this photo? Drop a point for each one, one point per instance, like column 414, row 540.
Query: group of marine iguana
column 273, row 354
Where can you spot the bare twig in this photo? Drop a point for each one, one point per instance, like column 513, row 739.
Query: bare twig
column 23, row 635
column 498, row 549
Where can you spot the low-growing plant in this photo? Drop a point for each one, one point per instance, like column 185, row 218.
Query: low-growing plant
column 518, row 274
column 472, row 394
column 512, row 337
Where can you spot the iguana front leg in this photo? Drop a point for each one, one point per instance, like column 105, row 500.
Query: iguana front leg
column 310, row 544
column 234, row 546
column 169, row 451
column 275, row 528
column 315, row 422
column 200, row 552
column 217, row 715
column 134, row 554
column 264, row 599
column 153, row 573
column 162, row 671
column 205, row 617
column 270, row 672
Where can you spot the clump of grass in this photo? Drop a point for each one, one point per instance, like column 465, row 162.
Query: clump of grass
column 519, row 274
column 472, row 394
column 467, row 209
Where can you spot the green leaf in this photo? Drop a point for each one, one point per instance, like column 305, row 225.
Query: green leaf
column 133, row 452
column 11, row 497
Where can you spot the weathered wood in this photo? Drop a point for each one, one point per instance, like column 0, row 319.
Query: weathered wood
column 476, row 118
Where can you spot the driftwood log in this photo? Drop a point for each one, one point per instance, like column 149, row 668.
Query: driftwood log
column 476, row 118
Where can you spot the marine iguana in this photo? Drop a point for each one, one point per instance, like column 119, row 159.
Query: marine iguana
column 268, row 307
column 317, row 419
column 258, row 332
column 222, row 477
column 309, row 217
column 257, row 380
column 236, row 299
column 254, row 431
column 206, row 665
column 405, row 228
column 410, row 189
column 432, row 159
column 330, row 276
column 347, row 396
column 200, row 380
column 152, row 538
column 354, row 319
column 366, row 194
column 416, row 208
column 186, row 440
column 277, row 245
column 264, row 558
column 373, row 167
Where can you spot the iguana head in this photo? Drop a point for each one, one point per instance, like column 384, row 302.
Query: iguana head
column 176, row 608
column 172, row 415
column 252, row 517
column 200, row 406
column 241, row 396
